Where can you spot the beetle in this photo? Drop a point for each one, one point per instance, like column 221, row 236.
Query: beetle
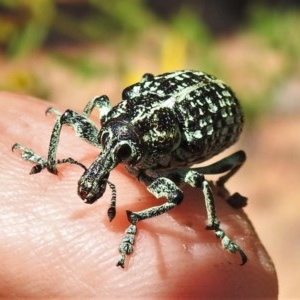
column 162, row 127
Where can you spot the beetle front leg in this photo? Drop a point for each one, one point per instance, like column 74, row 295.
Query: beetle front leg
column 196, row 179
column 41, row 162
column 83, row 127
column 160, row 187
column 29, row 155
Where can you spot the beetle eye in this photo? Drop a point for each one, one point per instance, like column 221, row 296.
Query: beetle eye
column 124, row 152
column 104, row 137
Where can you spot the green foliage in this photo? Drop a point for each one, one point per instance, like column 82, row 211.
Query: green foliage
column 189, row 25
column 280, row 29
column 129, row 30
column 278, row 32
column 81, row 64
column 127, row 16
column 25, row 24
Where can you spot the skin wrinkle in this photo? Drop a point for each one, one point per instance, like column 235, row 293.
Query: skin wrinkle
column 41, row 243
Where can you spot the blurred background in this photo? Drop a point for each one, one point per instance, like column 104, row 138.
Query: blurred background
column 67, row 51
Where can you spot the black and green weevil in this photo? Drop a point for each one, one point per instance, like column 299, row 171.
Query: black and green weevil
column 163, row 125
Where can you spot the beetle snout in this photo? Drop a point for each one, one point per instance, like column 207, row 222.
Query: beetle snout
column 90, row 195
column 92, row 184
column 89, row 189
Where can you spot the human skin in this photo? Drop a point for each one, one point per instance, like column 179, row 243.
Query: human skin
column 54, row 245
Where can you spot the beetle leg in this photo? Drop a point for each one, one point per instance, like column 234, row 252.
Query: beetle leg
column 196, row 179
column 41, row 162
column 159, row 187
column 83, row 127
column 234, row 162
column 29, row 155
column 103, row 105
column 230, row 164
column 101, row 102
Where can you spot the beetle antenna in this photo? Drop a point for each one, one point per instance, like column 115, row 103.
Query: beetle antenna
column 111, row 212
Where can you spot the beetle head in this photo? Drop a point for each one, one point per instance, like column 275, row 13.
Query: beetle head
column 120, row 144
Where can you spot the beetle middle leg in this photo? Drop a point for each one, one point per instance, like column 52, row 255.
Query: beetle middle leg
column 197, row 179
column 159, row 187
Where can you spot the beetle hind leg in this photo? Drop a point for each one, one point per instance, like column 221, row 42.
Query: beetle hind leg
column 233, row 162
column 230, row 164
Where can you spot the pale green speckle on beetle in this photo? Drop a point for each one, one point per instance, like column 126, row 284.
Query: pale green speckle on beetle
column 163, row 125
